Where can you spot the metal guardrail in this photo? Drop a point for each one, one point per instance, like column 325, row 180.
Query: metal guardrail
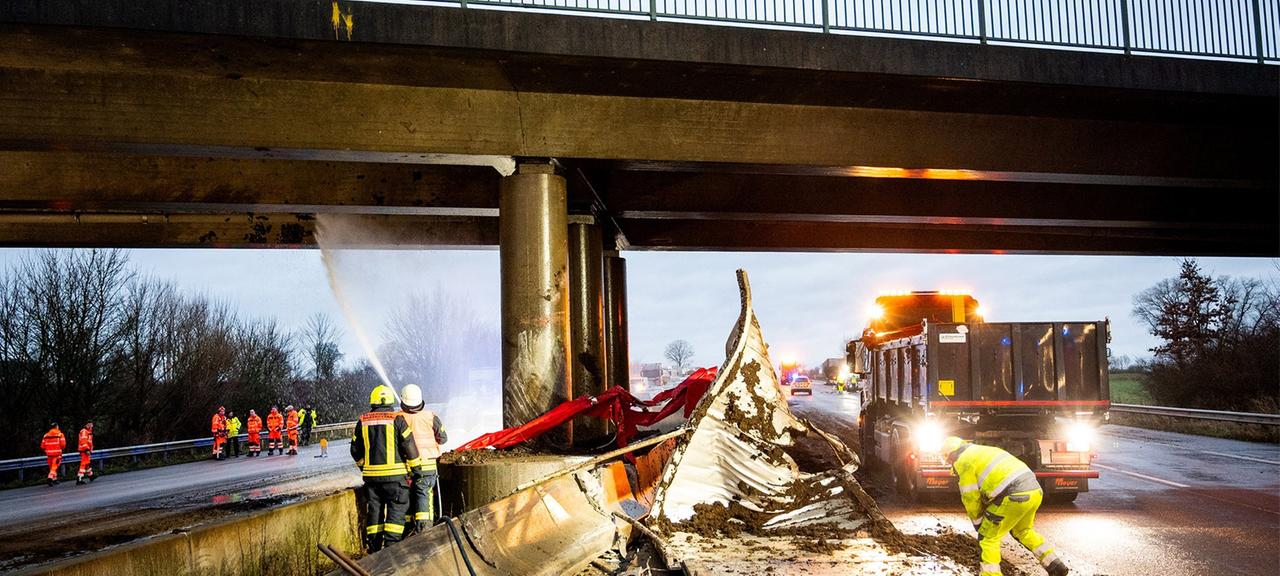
column 71, row 458
column 1197, row 414
column 1235, row 29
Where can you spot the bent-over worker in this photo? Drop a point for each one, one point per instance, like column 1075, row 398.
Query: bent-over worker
column 1000, row 495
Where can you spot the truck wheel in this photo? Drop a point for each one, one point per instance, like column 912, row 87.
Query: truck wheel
column 1063, row 497
column 903, row 478
column 866, row 448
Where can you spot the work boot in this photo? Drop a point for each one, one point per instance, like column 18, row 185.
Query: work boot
column 80, row 481
column 51, row 481
column 1057, row 568
column 93, row 477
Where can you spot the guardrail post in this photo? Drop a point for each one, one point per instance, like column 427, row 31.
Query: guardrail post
column 463, row 3
column 826, row 26
column 982, row 21
column 1124, row 25
column 653, row 9
column 1257, row 31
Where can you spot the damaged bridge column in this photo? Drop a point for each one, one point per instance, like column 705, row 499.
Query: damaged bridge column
column 586, row 316
column 534, row 254
column 616, row 351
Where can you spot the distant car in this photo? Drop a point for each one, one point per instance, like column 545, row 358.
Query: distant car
column 801, row 384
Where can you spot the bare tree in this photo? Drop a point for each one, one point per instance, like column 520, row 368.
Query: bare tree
column 435, row 340
column 679, row 352
column 320, row 342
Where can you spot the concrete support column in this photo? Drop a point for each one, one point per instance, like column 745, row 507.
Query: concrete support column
column 615, row 321
column 533, row 224
column 586, row 319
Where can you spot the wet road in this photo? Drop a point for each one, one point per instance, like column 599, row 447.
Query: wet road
column 40, row 522
column 1167, row 504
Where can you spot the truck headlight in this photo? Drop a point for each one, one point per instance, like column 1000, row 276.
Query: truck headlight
column 929, row 438
column 1080, row 437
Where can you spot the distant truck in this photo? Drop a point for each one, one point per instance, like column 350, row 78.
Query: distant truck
column 930, row 367
column 788, row 369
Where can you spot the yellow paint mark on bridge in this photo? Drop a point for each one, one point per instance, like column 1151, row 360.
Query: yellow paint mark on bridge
column 342, row 22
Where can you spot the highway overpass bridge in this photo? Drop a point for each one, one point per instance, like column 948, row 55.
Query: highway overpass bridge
column 234, row 123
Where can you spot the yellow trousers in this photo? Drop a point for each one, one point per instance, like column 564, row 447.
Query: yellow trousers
column 1014, row 514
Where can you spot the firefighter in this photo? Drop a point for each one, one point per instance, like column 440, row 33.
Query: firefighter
column 219, row 432
column 384, row 449
column 1000, row 495
column 52, row 444
column 253, row 426
column 274, row 422
column 233, row 433
column 305, row 421
column 428, row 434
column 85, row 446
column 291, row 426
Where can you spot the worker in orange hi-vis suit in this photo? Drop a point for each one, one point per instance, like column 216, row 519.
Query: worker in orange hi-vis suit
column 86, row 454
column 52, row 444
column 291, row 425
column 275, row 421
column 253, row 426
column 219, row 432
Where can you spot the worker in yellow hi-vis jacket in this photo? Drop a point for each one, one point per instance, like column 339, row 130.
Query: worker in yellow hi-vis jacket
column 1000, row 495
column 384, row 449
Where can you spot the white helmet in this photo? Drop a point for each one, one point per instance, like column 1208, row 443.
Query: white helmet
column 411, row 398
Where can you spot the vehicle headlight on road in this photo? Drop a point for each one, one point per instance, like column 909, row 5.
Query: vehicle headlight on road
column 1080, row 437
column 929, row 436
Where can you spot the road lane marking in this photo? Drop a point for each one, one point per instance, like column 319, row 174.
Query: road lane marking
column 1200, row 492
column 1142, row 476
column 1249, row 458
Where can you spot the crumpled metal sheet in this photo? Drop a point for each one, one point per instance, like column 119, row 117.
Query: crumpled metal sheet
column 557, row 527
column 736, row 451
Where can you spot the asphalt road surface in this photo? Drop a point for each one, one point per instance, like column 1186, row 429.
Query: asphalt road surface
column 42, row 523
column 1166, row 504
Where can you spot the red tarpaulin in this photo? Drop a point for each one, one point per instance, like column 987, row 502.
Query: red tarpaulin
column 615, row 404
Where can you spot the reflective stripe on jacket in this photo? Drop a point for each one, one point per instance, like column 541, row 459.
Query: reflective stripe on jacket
column 254, row 425
column 53, row 442
column 86, row 440
column 987, row 474
column 233, row 426
column 274, row 420
column 427, row 431
column 383, row 446
column 291, row 421
column 219, row 423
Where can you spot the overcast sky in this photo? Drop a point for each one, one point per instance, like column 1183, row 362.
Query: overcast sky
column 807, row 303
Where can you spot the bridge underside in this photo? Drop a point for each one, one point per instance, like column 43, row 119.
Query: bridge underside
column 184, row 138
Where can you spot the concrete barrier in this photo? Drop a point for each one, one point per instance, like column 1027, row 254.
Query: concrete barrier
column 278, row 542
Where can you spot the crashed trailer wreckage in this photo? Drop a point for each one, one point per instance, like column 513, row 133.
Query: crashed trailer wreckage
column 730, row 460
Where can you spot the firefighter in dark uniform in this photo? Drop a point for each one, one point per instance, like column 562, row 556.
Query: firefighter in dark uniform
column 384, row 449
